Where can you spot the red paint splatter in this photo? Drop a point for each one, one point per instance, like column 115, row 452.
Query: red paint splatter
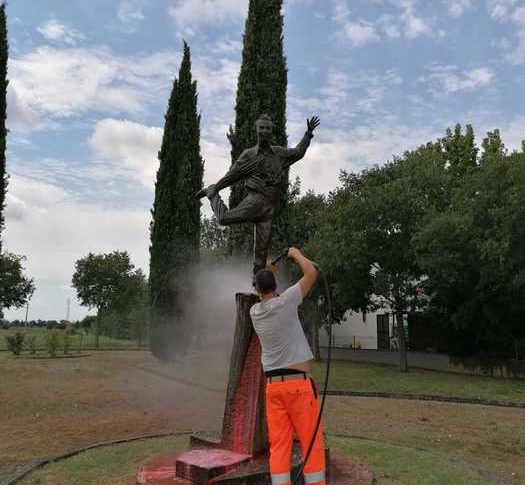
column 238, row 433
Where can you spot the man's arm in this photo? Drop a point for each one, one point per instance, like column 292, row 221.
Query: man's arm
column 292, row 155
column 309, row 272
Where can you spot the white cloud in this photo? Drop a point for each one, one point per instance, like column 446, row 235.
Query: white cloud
column 414, row 25
column 131, row 11
column 500, row 9
column 456, row 8
column 56, row 31
column 360, row 33
column 513, row 133
column 390, row 26
column 518, row 17
column 447, row 79
column 129, row 146
column 354, row 150
column 408, row 24
column 65, row 82
column 50, row 83
column 19, row 113
column 190, row 15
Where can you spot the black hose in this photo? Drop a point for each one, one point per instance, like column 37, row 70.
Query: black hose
column 327, row 375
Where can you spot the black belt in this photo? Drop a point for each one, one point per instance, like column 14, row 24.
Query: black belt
column 282, row 372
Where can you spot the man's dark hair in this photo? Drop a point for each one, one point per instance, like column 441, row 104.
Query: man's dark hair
column 265, row 281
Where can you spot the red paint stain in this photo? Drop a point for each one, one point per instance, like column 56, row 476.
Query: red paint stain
column 238, row 433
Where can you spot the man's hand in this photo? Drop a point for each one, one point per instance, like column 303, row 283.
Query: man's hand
column 271, row 266
column 312, row 123
column 294, row 253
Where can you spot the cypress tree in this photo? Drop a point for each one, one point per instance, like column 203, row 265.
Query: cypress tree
column 3, row 115
column 261, row 89
column 175, row 227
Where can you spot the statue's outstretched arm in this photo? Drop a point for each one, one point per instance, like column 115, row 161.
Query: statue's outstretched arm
column 292, row 155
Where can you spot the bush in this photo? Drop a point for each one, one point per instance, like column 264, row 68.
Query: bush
column 15, row 342
column 52, row 342
column 67, row 336
column 31, row 343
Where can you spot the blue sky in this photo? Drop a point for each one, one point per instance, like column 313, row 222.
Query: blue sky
column 89, row 84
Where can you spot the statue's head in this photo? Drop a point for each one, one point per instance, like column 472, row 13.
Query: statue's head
column 264, row 128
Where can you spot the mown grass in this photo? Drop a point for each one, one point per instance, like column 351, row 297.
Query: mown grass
column 392, row 464
column 115, row 465
column 369, row 377
column 79, row 340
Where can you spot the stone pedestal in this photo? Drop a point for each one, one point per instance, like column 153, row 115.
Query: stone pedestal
column 244, row 426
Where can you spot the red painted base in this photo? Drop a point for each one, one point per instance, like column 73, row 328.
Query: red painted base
column 200, row 466
column 161, row 470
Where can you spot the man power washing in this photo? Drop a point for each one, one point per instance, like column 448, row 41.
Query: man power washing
column 291, row 395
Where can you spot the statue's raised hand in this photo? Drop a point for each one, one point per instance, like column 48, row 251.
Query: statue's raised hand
column 312, row 123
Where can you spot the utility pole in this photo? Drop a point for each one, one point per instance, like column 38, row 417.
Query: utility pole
column 27, row 310
column 68, row 309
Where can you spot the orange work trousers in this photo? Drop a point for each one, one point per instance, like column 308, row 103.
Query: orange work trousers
column 293, row 405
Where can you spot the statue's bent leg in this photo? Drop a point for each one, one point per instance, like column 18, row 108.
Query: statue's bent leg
column 262, row 239
column 250, row 209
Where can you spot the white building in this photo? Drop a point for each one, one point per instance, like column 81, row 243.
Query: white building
column 371, row 330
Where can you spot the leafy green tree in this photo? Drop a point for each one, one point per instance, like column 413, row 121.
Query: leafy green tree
column 105, row 282
column 3, row 115
column 261, row 89
column 15, row 288
column 175, row 227
column 303, row 214
column 474, row 256
column 214, row 239
column 365, row 238
column 128, row 317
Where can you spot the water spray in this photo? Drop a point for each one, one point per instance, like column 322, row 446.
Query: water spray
column 328, row 361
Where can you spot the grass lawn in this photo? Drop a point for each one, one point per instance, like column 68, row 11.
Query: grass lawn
column 78, row 340
column 115, row 465
column 369, row 377
column 395, row 464
column 391, row 464
column 51, row 406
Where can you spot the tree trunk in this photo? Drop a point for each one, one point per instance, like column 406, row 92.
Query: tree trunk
column 403, row 363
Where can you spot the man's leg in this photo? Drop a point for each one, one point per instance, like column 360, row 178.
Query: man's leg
column 262, row 238
column 280, row 435
column 303, row 408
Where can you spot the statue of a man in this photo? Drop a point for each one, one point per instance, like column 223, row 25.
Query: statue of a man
column 262, row 168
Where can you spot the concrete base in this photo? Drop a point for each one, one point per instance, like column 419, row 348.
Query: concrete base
column 161, row 470
column 201, row 466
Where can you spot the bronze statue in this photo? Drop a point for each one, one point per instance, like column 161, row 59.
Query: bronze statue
column 262, row 167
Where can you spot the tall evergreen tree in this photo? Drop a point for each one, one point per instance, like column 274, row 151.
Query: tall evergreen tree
column 261, row 89
column 175, row 227
column 3, row 114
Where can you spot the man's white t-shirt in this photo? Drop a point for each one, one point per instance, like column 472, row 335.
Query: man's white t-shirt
column 277, row 324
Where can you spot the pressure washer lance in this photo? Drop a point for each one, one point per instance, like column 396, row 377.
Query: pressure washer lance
column 297, row 477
